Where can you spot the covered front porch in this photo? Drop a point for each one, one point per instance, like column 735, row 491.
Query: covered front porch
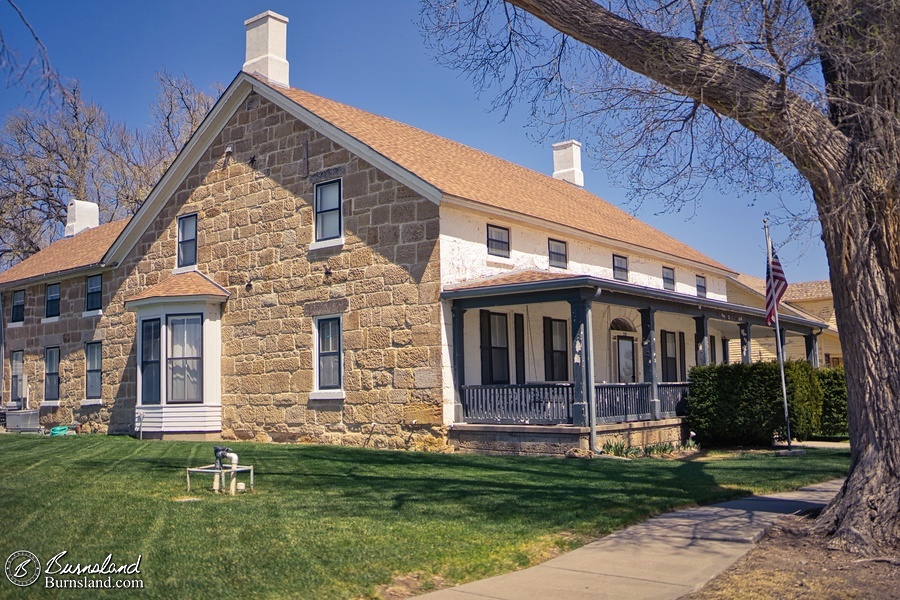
column 551, row 349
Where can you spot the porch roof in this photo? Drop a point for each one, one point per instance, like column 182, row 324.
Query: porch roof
column 523, row 287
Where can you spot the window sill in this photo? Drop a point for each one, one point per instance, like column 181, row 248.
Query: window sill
column 49, row 320
column 15, row 324
column 50, row 403
column 93, row 313
column 92, row 402
column 327, row 243
column 187, row 269
column 327, row 395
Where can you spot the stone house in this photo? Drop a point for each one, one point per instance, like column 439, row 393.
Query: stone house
column 308, row 271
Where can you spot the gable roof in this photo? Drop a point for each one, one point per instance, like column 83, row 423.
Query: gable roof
column 462, row 172
column 183, row 285
column 808, row 290
column 81, row 251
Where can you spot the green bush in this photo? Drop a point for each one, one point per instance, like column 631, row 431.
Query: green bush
column 834, row 401
column 736, row 405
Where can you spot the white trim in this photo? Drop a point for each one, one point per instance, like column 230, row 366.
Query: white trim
column 15, row 324
column 92, row 313
column 133, row 305
column 185, row 269
column 49, row 403
column 326, row 243
column 327, row 394
column 49, row 320
column 92, row 402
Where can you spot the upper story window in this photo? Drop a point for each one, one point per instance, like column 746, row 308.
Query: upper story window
column 187, row 241
column 498, row 241
column 18, row 306
column 701, row 286
column 92, row 299
column 328, row 211
column 668, row 278
column 51, row 304
column 559, row 254
column 620, row 267
column 328, row 353
column 51, row 374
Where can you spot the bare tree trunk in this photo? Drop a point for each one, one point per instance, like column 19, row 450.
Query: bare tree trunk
column 862, row 238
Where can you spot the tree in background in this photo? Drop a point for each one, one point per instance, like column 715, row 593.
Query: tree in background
column 70, row 149
column 753, row 95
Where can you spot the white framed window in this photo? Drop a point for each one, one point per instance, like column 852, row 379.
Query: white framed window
column 328, row 211
column 150, row 361
column 701, row 286
column 93, row 289
column 668, row 274
column 93, row 370
column 329, row 358
column 498, row 241
column 17, row 363
column 184, row 360
column 187, row 241
column 51, row 374
column 620, row 267
column 51, row 303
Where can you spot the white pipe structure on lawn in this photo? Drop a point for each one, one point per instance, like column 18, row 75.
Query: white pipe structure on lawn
column 234, row 465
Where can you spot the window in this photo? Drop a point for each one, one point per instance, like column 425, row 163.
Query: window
column 669, row 356
column 669, row 278
column 17, row 390
column 328, row 346
column 51, row 305
column 93, row 289
column 556, row 350
column 187, row 241
column 150, row 356
column 328, row 211
column 625, row 366
column 558, row 252
column 51, row 374
column 18, row 306
column 184, row 363
column 498, row 241
column 494, row 348
column 620, row 267
column 93, row 366
column 701, row 286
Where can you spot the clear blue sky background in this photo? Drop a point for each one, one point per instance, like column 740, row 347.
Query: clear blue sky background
column 366, row 53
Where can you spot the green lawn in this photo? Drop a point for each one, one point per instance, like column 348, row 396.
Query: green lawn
column 329, row 522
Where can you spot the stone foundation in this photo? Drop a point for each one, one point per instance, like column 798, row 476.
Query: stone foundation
column 556, row 440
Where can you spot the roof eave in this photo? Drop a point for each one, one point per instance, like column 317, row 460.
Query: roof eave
column 132, row 305
column 61, row 274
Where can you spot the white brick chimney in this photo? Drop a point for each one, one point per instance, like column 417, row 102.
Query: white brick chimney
column 267, row 47
column 81, row 215
column 567, row 162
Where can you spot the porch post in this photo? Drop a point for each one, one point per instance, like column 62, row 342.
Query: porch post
column 701, row 338
column 783, row 344
column 648, row 344
column 812, row 349
column 725, row 357
column 746, row 357
column 459, row 362
column 580, row 356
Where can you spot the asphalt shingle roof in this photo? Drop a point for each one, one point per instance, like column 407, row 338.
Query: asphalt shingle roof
column 191, row 283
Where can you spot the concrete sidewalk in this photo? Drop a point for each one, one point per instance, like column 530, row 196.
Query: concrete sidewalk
column 664, row 557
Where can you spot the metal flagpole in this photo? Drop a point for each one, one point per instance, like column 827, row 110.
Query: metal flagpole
column 779, row 349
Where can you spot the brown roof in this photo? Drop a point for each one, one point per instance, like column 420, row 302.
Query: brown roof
column 808, row 290
column 182, row 285
column 82, row 250
column 754, row 283
column 512, row 278
column 460, row 171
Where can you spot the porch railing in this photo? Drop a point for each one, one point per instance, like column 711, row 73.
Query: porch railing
column 534, row 404
column 672, row 398
column 618, row 402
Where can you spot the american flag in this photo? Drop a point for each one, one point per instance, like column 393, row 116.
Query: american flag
column 776, row 286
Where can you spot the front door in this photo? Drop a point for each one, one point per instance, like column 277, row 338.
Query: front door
column 625, row 359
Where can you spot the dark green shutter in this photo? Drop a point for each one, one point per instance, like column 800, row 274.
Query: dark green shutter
column 519, row 334
column 485, row 347
column 548, row 349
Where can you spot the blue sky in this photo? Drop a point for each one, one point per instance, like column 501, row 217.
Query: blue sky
column 365, row 53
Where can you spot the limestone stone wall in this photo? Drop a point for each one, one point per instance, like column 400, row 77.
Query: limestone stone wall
column 69, row 332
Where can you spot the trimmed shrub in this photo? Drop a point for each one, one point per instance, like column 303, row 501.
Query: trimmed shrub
column 737, row 405
column 834, row 401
